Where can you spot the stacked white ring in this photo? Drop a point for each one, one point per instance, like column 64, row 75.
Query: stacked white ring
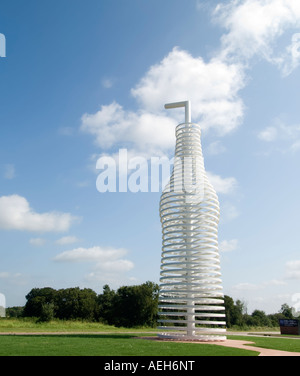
column 191, row 293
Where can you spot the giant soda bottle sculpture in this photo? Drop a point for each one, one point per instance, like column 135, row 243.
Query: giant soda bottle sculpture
column 191, row 293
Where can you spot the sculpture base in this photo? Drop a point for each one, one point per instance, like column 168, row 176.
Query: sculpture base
column 194, row 338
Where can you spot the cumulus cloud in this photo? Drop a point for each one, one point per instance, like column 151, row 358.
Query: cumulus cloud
column 245, row 286
column 293, row 269
column 291, row 59
column 9, row 171
column 113, row 126
column 254, row 28
column 91, row 254
column 288, row 135
column 228, row 245
column 105, row 258
column 16, row 214
column 228, row 212
column 107, row 83
column 9, row 275
column 222, row 185
column 37, row 241
column 215, row 148
column 268, row 134
column 67, row 240
column 212, row 87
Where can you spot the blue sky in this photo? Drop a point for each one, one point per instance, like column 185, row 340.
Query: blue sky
column 83, row 79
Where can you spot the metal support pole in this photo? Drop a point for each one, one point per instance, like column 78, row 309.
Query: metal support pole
column 186, row 104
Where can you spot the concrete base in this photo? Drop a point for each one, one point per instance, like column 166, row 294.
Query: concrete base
column 196, row 338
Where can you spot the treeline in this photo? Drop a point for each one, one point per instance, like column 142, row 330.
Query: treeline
column 237, row 316
column 128, row 306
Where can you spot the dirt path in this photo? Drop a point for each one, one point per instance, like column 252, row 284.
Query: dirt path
column 239, row 345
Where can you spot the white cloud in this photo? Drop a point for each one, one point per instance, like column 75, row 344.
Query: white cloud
column 268, row 134
column 211, row 87
column 107, row 261
column 67, row 240
column 291, row 59
column 96, row 253
column 16, row 214
column 113, row 126
column 295, row 146
column 288, row 135
column 102, row 255
column 7, row 275
column 245, row 286
column 275, row 282
column 228, row 212
column 37, row 241
column 4, row 275
column 293, row 269
column 206, row 6
column 215, row 148
column 115, row 266
column 66, row 131
column 222, row 185
column 113, row 278
column 9, row 171
column 83, row 183
column 228, row 245
column 254, row 27
column 107, row 83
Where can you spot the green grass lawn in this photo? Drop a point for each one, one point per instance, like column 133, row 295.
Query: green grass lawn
column 106, row 345
column 103, row 340
column 275, row 343
column 111, row 342
column 28, row 325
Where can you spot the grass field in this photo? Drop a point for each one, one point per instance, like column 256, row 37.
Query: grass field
column 29, row 325
column 106, row 345
column 94, row 339
column 275, row 343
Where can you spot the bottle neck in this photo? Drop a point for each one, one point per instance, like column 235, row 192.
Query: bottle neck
column 188, row 140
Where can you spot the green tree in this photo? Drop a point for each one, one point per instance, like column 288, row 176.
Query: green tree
column 274, row 318
column 47, row 312
column 14, row 311
column 73, row 303
column 136, row 305
column 87, row 304
column 286, row 311
column 260, row 318
column 105, row 303
column 35, row 300
column 229, row 310
column 238, row 313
